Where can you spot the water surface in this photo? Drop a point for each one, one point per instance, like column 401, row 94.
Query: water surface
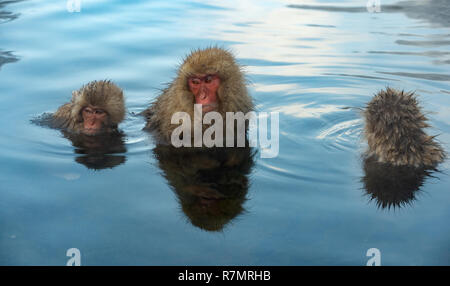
column 317, row 203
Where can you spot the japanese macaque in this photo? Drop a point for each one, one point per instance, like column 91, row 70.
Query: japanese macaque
column 90, row 122
column 394, row 129
column 212, row 188
column 392, row 186
column 210, row 77
column 95, row 108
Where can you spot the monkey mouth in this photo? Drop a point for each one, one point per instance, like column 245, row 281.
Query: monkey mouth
column 91, row 131
column 92, row 127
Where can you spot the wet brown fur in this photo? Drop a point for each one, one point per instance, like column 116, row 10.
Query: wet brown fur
column 102, row 94
column 232, row 93
column 395, row 133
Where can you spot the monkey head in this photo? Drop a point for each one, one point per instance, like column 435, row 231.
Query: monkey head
column 98, row 107
column 212, row 77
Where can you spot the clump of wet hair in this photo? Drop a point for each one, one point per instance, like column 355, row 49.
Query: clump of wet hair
column 395, row 131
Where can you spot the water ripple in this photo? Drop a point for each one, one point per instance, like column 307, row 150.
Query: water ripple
column 427, row 76
column 342, row 136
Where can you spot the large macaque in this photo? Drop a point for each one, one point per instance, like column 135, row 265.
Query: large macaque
column 394, row 129
column 210, row 77
column 96, row 108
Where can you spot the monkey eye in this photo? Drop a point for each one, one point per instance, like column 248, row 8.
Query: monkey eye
column 88, row 110
column 94, row 111
column 195, row 80
column 209, row 78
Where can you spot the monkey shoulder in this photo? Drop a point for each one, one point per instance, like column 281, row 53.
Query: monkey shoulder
column 63, row 118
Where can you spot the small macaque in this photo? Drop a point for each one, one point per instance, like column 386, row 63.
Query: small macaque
column 395, row 131
column 210, row 77
column 96, row 108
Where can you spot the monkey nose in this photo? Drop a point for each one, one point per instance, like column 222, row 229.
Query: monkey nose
column 202, row 94
column 91, row 122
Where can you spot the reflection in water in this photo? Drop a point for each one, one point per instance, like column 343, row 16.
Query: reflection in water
column 96, row 152
column 433, row 54
column 137, row 44
column 211, row 184
column 433, row 11
column 392, row 186
column 431, row 43
column 7, row 57
column 429, row 76
column 6, row 16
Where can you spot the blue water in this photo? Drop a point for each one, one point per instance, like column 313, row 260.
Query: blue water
column 308, row 206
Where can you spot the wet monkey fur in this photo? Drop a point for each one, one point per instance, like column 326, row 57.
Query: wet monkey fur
column 395, row 131
column 95, row 108
column 210, row 77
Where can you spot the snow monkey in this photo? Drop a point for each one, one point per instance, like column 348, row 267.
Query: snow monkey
column 394, row 129
column 210, row 77
column 97, row 107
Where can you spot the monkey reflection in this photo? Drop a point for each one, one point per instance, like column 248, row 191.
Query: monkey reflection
column 212, row 188
column 100, row 151
column 390, row 185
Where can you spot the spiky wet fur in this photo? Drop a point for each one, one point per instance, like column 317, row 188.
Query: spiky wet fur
column 232, row 93
column 394, row 129
column 102, row 94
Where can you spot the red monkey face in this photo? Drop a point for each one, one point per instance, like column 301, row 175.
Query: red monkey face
column 94, row 119
column 204, row 88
